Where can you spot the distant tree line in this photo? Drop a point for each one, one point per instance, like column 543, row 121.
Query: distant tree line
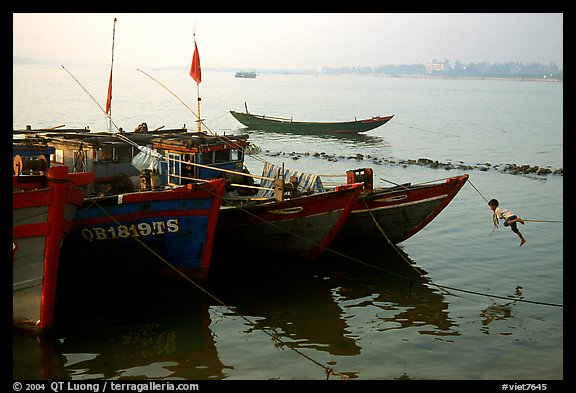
column 459, row 69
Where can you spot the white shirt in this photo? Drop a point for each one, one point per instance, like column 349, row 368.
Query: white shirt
column 503, row 213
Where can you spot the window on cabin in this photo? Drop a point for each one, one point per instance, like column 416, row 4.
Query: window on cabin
column 235, row 155
column 123, row 152
column 58, row 156
column 222, row 156
column 206, row 158
column 105, row 153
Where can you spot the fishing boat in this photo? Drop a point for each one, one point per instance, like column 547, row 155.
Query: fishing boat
column 166, row 230
column 44, row 202
column 399, row 212
column 396, row 213
column 132, row 219
column 280, row 124
column 302, row 227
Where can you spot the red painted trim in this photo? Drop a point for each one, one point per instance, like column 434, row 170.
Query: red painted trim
column 218, row 190
column 355, row 190
column 30, row 230
column 58, row 181
column 40, row 197
column 81, row 178
column 54, row 191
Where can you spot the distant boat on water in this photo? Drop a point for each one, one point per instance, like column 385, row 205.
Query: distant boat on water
column 249, row 74
column 280, row 124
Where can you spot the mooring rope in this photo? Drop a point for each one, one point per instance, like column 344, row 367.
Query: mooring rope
column 527, row 220
column 274, row 336
column 445, row 287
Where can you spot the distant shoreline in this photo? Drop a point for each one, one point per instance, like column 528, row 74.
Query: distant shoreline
column 315, row 72
column 503, row 78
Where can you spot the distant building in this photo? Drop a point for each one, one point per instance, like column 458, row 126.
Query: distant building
column 437, row 65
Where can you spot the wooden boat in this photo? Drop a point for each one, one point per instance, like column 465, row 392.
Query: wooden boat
column 301, row 227
column 130, row 215
column 148, row 231
column 398, row 212
column 45, row 200
column 279, row 124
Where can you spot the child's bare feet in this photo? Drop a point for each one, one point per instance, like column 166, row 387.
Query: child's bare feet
column 522, row 241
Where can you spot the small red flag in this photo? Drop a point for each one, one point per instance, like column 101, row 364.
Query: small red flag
column 195, row 71
column 109, row 98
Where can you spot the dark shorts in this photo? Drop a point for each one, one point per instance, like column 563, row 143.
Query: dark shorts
column 513, row 226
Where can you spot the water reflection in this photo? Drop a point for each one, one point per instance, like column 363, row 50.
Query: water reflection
column 292, row 301
column 137, row 328
column 365, row 139
column 385, row 277
column 311, row 305
column 499, row 312
column 124, row 328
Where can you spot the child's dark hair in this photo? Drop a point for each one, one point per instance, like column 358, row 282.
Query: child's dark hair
column 493, row 202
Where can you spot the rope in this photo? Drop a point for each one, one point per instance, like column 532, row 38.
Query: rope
column 478, row 191
column 495, row 219
column 329, row 371
column 444, row 287
column 90, row 95
column 425, row 130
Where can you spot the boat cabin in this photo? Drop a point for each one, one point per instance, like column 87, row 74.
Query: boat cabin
column 194, row 156
column 186, row 157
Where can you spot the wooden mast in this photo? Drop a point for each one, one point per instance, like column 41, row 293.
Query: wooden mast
column 109, row 97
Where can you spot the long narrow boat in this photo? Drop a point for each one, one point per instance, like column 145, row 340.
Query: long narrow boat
column 279, row 124
column 44, row 205
column 397, row 212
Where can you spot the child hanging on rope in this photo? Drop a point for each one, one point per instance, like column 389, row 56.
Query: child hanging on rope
column 510, row 219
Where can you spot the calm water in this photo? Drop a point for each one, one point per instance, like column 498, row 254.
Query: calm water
column 501, row 319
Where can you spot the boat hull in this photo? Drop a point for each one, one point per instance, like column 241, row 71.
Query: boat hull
column 42, row 218
column 148, row 232
column 400, row 212
column 301, row 227
column 259, row 122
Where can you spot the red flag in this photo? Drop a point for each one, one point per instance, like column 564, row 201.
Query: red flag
column 109, row 98
column 195, row 71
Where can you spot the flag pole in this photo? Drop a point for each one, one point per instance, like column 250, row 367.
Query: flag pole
column 109, row 96
column 196, row 74
column 199, row 99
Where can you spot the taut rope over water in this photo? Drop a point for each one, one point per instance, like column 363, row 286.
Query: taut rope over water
column 495, row 218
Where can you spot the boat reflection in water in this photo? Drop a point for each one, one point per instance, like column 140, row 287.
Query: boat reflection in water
column 311, row 306
column 124, row 329
column 352, row 139
column 389, row 280
column 115, row 327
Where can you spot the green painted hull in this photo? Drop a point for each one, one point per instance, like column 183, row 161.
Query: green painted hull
column 260, row 122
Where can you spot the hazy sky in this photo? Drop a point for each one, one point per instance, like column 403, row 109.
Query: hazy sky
column 288, row 41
